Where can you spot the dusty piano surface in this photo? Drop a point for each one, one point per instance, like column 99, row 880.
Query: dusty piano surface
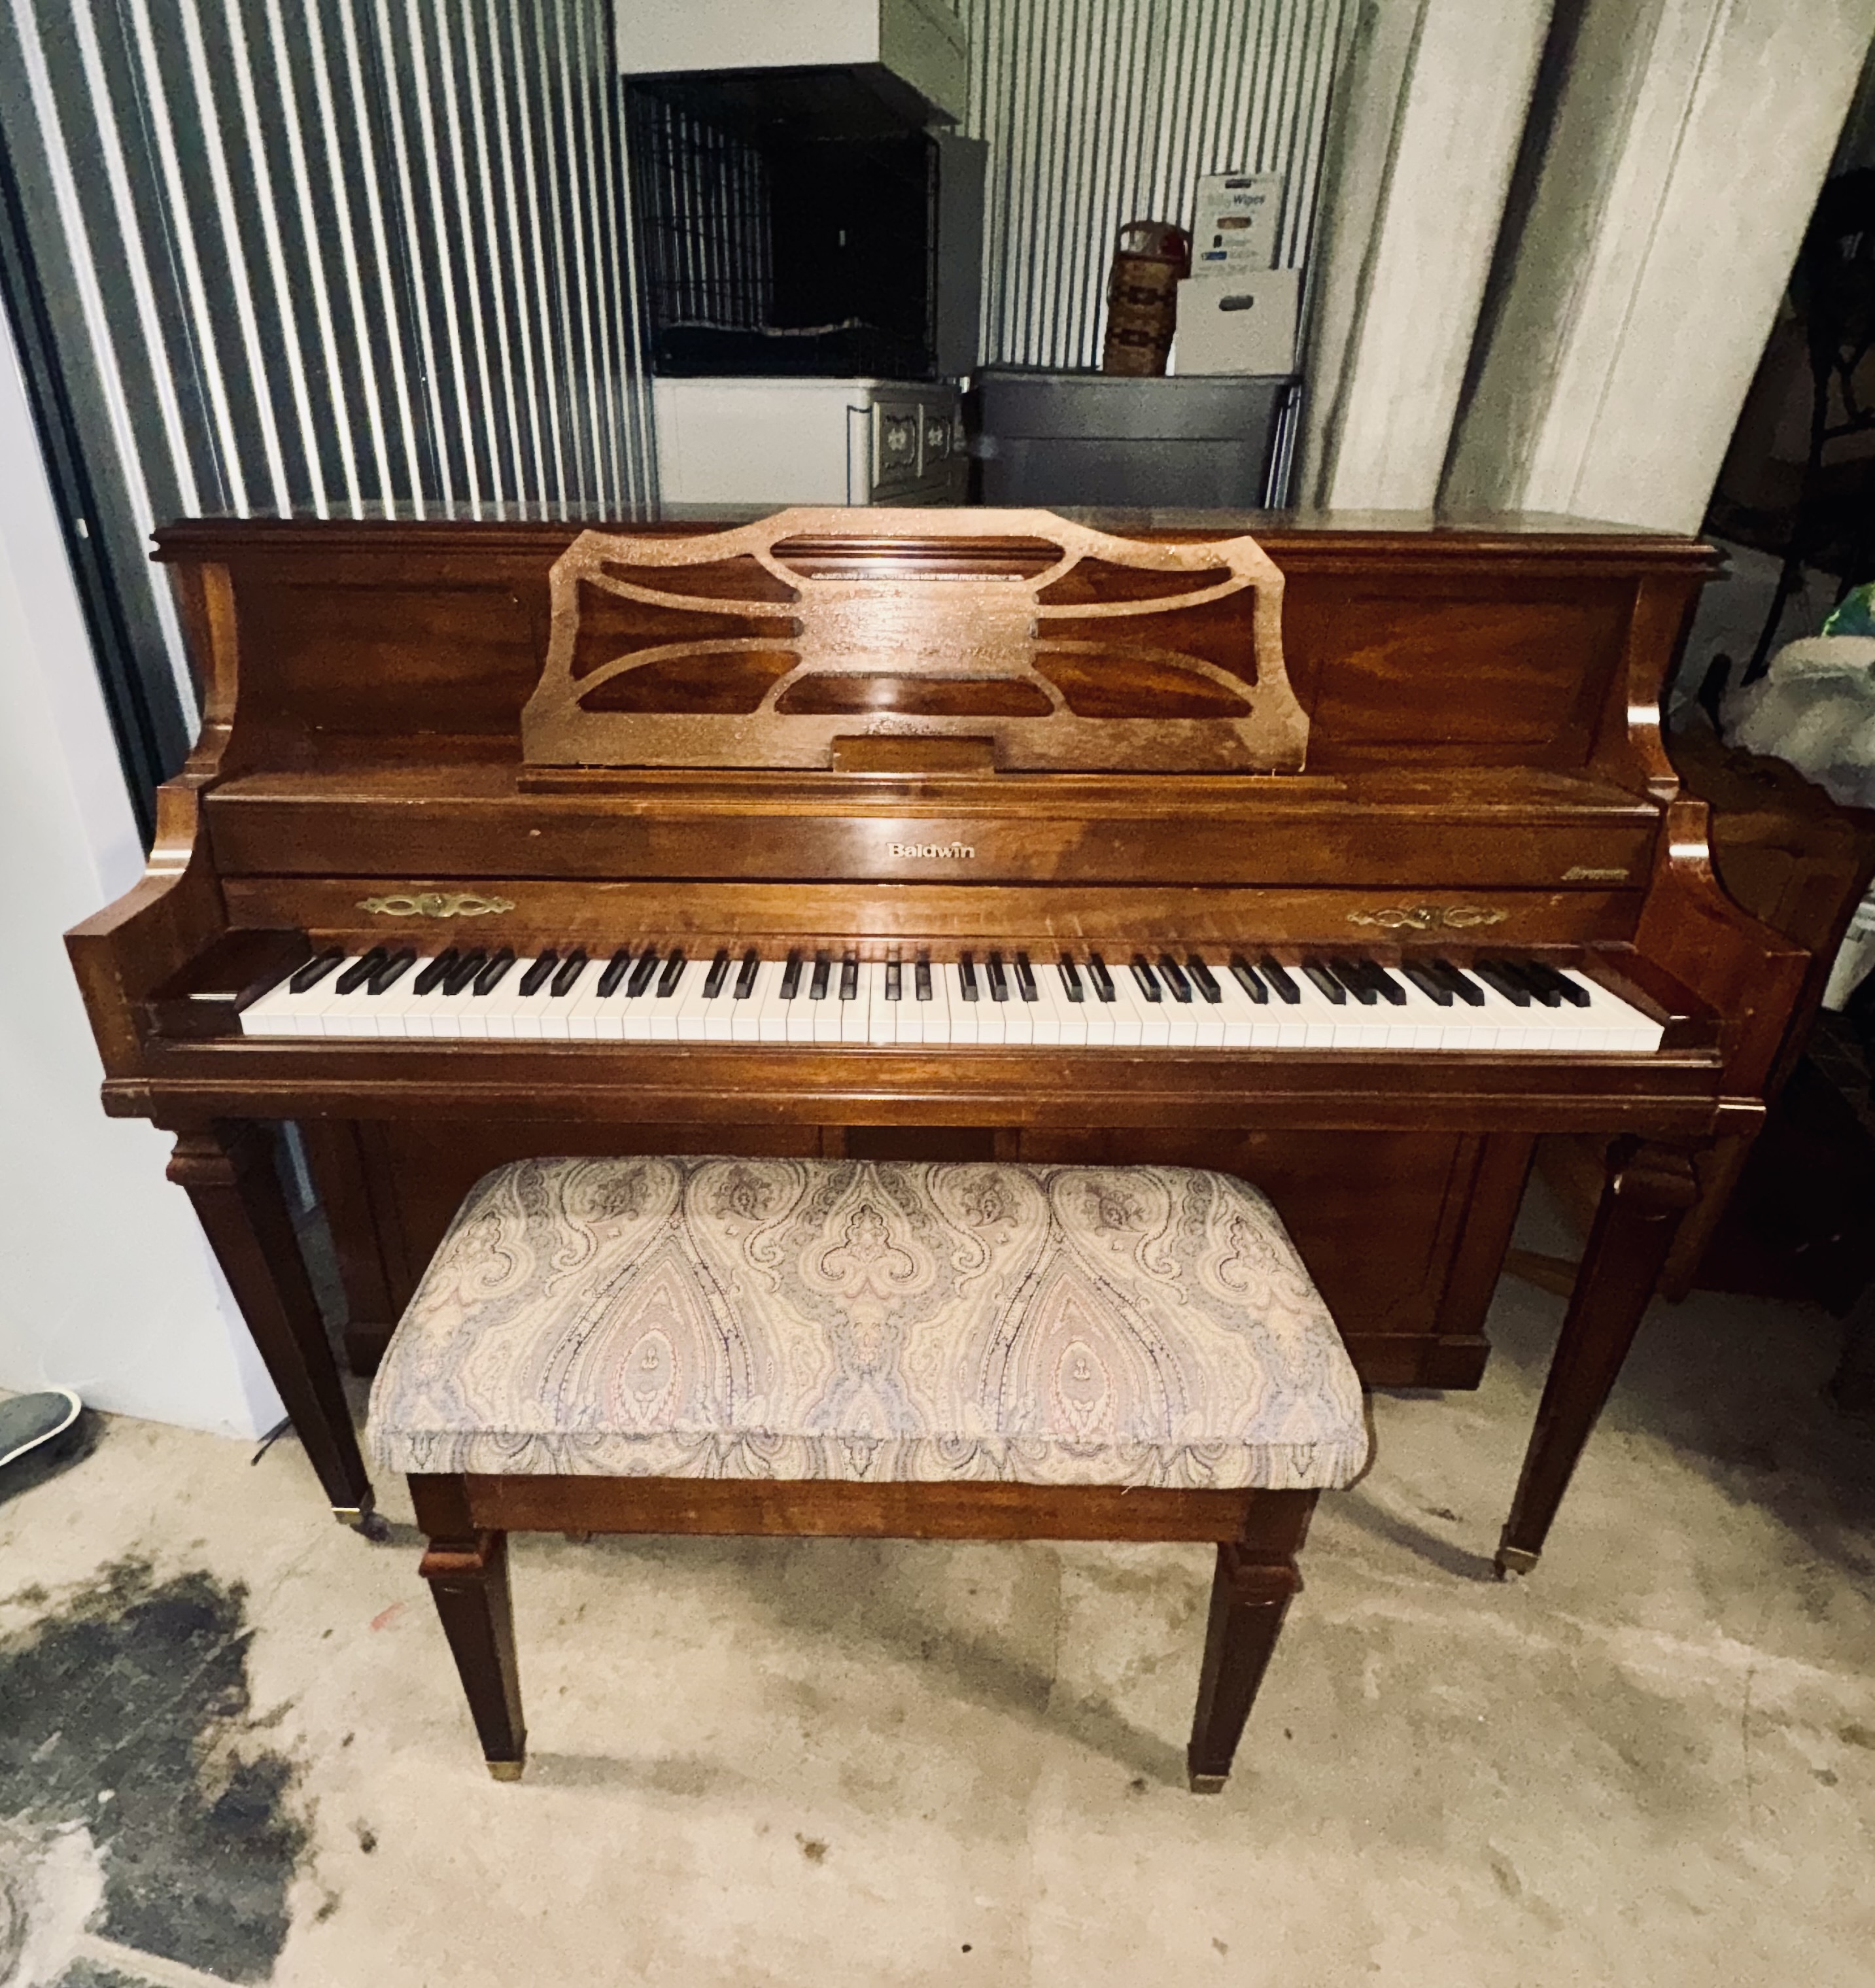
column 881, row 741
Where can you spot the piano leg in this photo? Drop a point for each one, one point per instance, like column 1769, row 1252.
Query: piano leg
column 1649, row 1187
column 466, row 1569
column 1249, row 1595
column 228, row 1168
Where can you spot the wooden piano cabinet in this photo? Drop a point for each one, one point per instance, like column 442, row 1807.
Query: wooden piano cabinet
column 1471, row 759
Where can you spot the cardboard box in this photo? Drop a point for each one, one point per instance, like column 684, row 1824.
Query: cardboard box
column 1235, row 227
column 1240, row 324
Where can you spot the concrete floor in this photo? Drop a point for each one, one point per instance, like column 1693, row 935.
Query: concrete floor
column 237, row 1750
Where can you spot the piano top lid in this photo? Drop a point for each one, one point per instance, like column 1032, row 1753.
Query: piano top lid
column 496, row 526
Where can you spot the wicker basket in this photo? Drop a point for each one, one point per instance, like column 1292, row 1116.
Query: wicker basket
column 1142, row 297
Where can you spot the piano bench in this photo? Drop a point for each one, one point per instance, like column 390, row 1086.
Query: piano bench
column 867, row 1349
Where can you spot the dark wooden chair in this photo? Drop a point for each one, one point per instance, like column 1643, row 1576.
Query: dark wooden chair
column 806, row 1348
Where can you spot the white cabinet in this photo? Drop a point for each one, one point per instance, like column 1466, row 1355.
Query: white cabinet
column 921, row 43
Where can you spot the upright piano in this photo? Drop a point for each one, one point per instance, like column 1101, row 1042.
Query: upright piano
column 1338, row 853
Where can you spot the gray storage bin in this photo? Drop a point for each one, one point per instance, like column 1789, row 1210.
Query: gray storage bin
column 1203, row 442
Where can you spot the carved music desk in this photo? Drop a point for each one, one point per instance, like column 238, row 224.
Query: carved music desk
column 1340, row 854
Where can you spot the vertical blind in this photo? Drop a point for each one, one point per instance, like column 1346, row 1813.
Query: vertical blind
column 1100, row 112
column 328, row 257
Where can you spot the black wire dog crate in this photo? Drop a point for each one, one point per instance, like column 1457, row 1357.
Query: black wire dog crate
column 787, row 226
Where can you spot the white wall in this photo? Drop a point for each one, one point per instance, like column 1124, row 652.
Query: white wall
column 106, row 1281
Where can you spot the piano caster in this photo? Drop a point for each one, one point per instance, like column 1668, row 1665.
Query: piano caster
column 363, row 1519
column 1206, row 1784
column 1513, row 1560
column 506, row 1770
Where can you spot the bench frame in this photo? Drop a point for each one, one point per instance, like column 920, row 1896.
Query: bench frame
column 467, row 1519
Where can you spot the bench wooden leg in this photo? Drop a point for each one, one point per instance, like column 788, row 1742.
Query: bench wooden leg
column 1254, row 1579
column 468, row 1574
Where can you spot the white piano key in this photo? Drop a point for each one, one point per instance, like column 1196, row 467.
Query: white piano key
column 1019, row 1020
column 719, row 1016
column 693, row 1005
column 855, row 1016
column 797, row 1015
column 590, row 1017
column 965, row 1025
column 752, row 1018
column 929, row 1021
column 1056, row 1026
column 281, row 1012
column 660, row 1014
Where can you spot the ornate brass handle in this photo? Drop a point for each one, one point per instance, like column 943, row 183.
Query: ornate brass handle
column 1429, row 917
column 434, row 905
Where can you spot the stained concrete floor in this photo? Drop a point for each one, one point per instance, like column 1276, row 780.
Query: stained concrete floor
column 231, row 1746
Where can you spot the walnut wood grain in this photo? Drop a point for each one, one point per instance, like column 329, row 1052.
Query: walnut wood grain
column 759, row 645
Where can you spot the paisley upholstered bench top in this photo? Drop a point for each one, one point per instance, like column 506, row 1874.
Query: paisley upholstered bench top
column 870, row 1321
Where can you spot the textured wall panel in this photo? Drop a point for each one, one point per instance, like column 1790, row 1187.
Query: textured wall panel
column 334, row 258
column 1100, row 112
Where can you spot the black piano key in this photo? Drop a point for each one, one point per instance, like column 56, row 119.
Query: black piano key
column 718, row 973
column 1571, row 991
column 1280, row 978
column 673, row 973
column 460, row 976
column 967, row 975
column 641, row 973
column 1245, row 975
column 1326, row 983
column 1428, row 983
column 998, row 979
column 1102, row 980
column 1071, row 977
column 1354, row 976
column 1467, row 989
column 1143, row 973
column 1203, row 979
column 571, row 967
column 1389, row 988
column 1173, row 975
column 921, row 977
column 1376, row 977
column 1540, row 988
column 361, row 970
column 895, row 978
column 849, row 976
column 393, row 970
column 746, row 972
column 1026, row 979
column 438, row 970
column 491, row 975
column 1494, row 976
column 616, row 968
column 790, row 975
column 308, row 976
column 823, row 973
column 537, row 975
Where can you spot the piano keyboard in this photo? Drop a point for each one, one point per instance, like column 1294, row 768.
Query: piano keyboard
column 1176, row 999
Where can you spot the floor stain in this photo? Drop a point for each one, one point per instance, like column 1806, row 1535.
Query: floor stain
column 128, row 1711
